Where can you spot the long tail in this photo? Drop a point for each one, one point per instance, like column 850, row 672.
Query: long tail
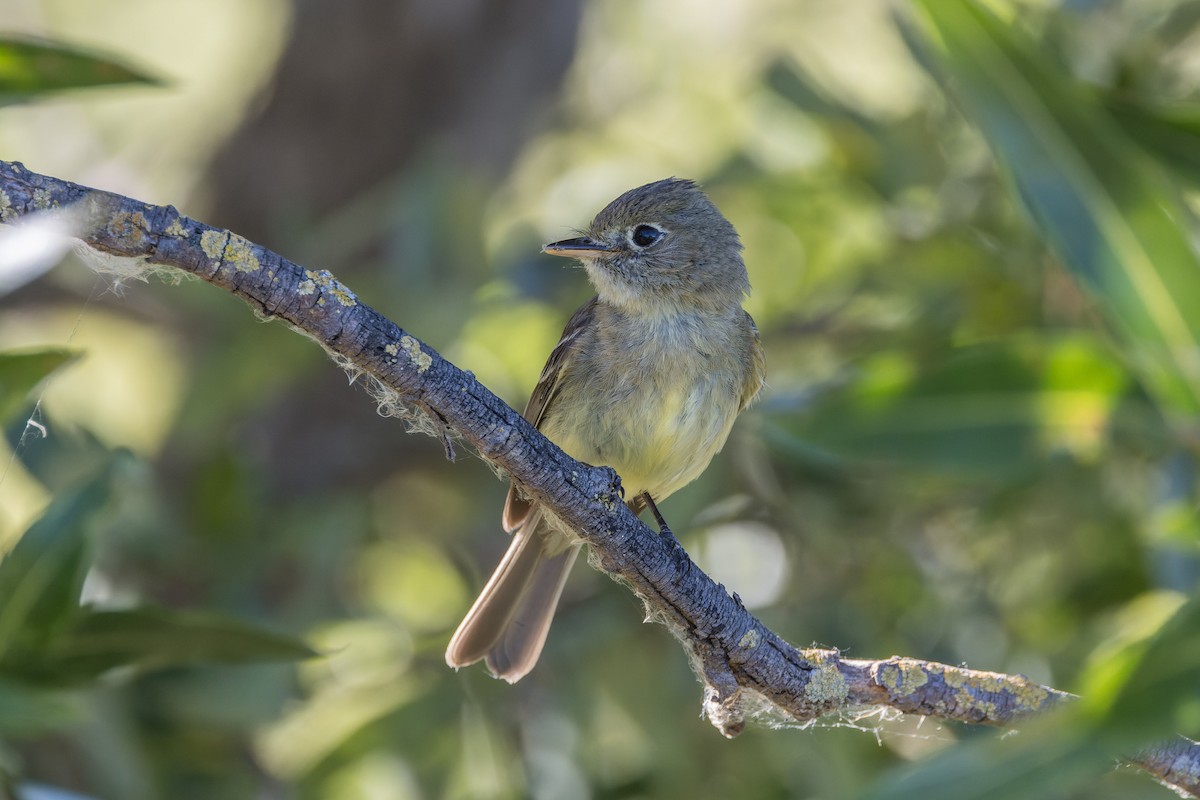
column 508, row 623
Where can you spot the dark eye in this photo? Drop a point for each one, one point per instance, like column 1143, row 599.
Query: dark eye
column 646, row 235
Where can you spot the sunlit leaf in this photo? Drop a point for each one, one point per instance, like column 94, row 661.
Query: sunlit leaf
column 1144, row 687
column 21, row 371
column 991, row 408
column 1105, row 206
column 29, row 69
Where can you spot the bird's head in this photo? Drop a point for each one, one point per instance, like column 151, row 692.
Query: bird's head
column 661, row 247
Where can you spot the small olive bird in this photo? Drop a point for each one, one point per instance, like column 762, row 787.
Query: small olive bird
column 647, row 378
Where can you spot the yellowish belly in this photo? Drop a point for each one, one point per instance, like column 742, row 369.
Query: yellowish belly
column 657, row 440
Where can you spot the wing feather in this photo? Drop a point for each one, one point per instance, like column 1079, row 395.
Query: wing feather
column 516, row 507
column 756, row 375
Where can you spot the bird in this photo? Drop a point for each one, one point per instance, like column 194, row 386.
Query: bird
column 647, row 378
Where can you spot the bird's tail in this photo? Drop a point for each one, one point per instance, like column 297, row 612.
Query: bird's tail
column 508, row 623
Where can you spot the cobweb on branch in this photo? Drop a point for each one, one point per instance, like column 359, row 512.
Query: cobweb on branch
column 120, row 270
column 886, row 725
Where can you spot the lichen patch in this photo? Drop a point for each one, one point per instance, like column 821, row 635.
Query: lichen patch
column 826, row 687
column 332, row 286
column 418, row 357
column 903, row 677
column 1030, row 696
column 213, row 243
column 239, row 254
column 42, row 199
column 230, row 249
column 129, row 227
column 750, row 639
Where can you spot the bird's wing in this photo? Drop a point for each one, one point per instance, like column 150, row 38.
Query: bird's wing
column 756, row 375
column 516, row 507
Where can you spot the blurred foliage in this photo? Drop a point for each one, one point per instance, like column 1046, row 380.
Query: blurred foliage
column 970, row 231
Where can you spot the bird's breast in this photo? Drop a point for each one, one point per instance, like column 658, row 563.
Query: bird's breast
column 656, row 407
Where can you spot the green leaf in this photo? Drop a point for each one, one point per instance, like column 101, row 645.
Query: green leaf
column 155, row 637
column 989, row 408
column 29, row 69
column 1140, row 689
column 42, row 576
column 1049, row 758
column 20, row 373
column 1105, row 207
column 1142, row 685
column 1169, row 132
column 25, row 710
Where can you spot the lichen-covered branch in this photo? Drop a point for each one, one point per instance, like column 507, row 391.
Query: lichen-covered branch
column 738, row 658
column 1176, row 763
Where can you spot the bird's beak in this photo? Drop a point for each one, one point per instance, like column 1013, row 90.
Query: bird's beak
column 583, row 247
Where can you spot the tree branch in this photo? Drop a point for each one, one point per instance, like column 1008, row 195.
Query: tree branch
column 739, row 660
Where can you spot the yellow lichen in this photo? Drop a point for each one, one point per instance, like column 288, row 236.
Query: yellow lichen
column 973, row 690
column 229, row 248
column 1029, row 695
column 750, row 639
column 240, row 254
column 212, row 243
column 324, row 278
column 976, row 680
column 306, row 287
column 176, row 228
column 392, row 349
column 419, row 358
column 6, row 212
column 903, row 676
column 826, row 685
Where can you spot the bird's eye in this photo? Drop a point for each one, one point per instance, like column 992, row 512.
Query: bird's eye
column 645, row 235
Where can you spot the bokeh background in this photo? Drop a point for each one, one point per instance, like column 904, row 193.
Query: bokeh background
column 967, row 451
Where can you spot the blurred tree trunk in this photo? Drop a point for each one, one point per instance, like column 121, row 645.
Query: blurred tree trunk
column 371, row 96
column 362, row 87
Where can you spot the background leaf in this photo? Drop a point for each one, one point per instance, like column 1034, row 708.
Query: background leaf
column 1105, row 207
column 25, row 710
column 1142, row 686
column 41, row 577
column 156, row 637
column 991, row 408
column 31, row 69
column 22, row 371
column 1170, row 132
column 1047, row 759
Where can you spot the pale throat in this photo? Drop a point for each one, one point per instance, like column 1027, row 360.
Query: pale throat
column 654, row 306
